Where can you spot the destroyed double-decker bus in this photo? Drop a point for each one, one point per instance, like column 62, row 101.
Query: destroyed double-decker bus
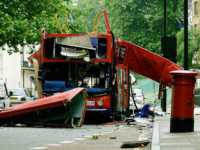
column 98, row 62
column 69, row 64
column 68, row 61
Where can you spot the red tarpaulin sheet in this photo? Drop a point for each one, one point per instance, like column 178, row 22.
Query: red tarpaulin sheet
column 146, row 63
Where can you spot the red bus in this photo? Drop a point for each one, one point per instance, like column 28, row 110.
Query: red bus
column 101, row 64
column 68, row 61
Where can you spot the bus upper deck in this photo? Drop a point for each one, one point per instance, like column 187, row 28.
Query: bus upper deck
column 76, row 47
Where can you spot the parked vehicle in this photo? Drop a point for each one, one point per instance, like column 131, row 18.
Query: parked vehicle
column 4, row 96
column 138, row 98
column 20, row 95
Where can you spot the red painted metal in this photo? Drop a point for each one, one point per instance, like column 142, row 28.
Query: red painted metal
column 107, row 22
column 105, row 99
column 160, row 89
column 37, row 55
column 146, row 63
column 42, row 30
column 111, row 123
column 44, row 104
column 182, row 105
column 127, row 85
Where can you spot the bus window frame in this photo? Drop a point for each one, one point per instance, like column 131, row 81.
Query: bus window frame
column 127, row 77
column 108, row 37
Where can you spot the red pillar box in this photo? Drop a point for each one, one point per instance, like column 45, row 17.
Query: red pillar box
column 182, row 105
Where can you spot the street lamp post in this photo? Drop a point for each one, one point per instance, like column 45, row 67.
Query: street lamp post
column 186, row 34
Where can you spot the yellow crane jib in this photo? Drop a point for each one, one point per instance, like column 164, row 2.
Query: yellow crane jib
column 95, row 21
column 58, row 24
column 98, row 22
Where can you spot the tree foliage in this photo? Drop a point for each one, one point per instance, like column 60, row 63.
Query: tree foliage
column 128, row 22
column 193, row 48
column 22, row 20
column 142, row 22
column 91, row 7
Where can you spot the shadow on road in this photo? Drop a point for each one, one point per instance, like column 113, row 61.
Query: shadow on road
column 96, row 119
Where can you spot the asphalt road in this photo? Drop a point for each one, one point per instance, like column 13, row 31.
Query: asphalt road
column 22, row 138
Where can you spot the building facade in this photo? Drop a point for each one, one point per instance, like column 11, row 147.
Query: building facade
column 194, row 6
column 15, row 70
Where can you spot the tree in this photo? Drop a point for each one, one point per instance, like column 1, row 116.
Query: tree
column 22, row 20
column 128, row 21
column 193, row 48
column 90, row 7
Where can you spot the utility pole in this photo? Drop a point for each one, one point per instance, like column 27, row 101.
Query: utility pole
column 164, row 91
column 186, row 34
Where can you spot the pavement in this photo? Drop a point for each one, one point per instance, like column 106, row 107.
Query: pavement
column 158, row 133
column 162, row 139
column 140, row 130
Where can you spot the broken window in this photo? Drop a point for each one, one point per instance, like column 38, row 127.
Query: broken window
column 78, row 74
column 76, row 47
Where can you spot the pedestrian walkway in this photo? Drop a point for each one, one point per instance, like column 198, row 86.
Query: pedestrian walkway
column 164, row 140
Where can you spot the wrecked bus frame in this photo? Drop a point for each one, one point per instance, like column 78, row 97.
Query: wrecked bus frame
column 100, row 63
column 68, row 61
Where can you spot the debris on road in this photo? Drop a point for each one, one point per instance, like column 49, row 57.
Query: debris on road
column 113, row 137
column 134, row 144
column 111, row 123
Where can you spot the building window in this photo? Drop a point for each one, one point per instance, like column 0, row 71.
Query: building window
column 196, row 27
column 196, row 8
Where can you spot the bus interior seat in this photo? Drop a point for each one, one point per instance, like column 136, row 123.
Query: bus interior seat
column 51, row 86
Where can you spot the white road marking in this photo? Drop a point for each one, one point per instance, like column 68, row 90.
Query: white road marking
column 53, row 145
column 79, row 139
column 67, row 142
column 88, row 136
column 39, row 148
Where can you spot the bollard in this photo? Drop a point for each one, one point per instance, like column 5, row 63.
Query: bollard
column 182, row 104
